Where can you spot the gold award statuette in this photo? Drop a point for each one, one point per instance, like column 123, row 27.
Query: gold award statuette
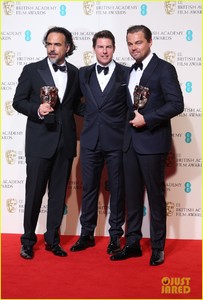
column 49, row 94
column 140, row 98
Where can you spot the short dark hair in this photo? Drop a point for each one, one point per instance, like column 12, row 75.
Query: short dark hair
column 66, row 33
column 147, row 32
column 103, row 34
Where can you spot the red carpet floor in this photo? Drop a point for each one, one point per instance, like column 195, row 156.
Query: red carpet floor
column 91, row 275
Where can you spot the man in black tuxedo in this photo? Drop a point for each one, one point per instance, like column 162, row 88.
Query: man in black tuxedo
column 147, row 141
column 105, row 91
column 50, row 137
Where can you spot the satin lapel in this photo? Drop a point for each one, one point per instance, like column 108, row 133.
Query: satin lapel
column 45, row 73
column 70, row 84
column 120, row 77
column 87, row 75
column 149, row 70
column 110, row 88
column 88, row 72
column 114, row 82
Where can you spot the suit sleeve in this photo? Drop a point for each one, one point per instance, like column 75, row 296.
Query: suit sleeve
column 168, row 94
column 79, row 108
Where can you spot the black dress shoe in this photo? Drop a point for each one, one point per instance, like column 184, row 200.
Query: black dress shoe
column 84, row 242
column 127, row 252
column 114, row 245
column 157, row 257
column 26, row 252
column 56, row 250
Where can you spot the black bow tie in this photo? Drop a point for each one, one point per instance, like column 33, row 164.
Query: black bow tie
column 100, row 69
column 57, row 67
column 137, row 65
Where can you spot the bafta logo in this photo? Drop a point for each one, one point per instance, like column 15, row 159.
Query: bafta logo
column 88, row 7
column 9, row 58
column 9, row 108
column 170, row 57
column 88, row 57
column 140, row 98
column 170, row 208
column 8, row 7
column 11, row 205
column 141, row 94
column 49, row 94
column 170, row 7
column 11, row 157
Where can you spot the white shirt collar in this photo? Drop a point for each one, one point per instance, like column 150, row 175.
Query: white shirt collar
column 111, row 66
column 50, row 64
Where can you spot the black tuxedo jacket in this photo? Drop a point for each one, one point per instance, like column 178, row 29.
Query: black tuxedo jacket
column 42, row 140
column 165, row 101
column 105, row 120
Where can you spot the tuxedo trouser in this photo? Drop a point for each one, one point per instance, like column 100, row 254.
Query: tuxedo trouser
column 145, row 171
column 45, row 173
column 92, row 162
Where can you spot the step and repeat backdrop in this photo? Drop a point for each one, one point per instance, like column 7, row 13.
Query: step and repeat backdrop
column 176, row 28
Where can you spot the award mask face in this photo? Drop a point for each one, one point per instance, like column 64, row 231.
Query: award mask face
column 49, row 94
column 140, row 98
column 141, row 95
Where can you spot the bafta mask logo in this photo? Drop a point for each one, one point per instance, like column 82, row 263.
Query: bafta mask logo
column 11, row 205
column 11, row 157
column 88, row 7
column 170, row 7
column 9, row 57
column 88, row 57
column 8, row 7
column 170, row 208
column 9, row 108
column 141, row 95
column 170, row 57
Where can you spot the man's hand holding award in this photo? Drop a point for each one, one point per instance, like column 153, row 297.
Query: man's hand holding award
column 49, row 97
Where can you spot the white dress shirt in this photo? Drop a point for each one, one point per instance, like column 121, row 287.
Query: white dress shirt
column 104, row 79
column 60, row 79
column 136, row 75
